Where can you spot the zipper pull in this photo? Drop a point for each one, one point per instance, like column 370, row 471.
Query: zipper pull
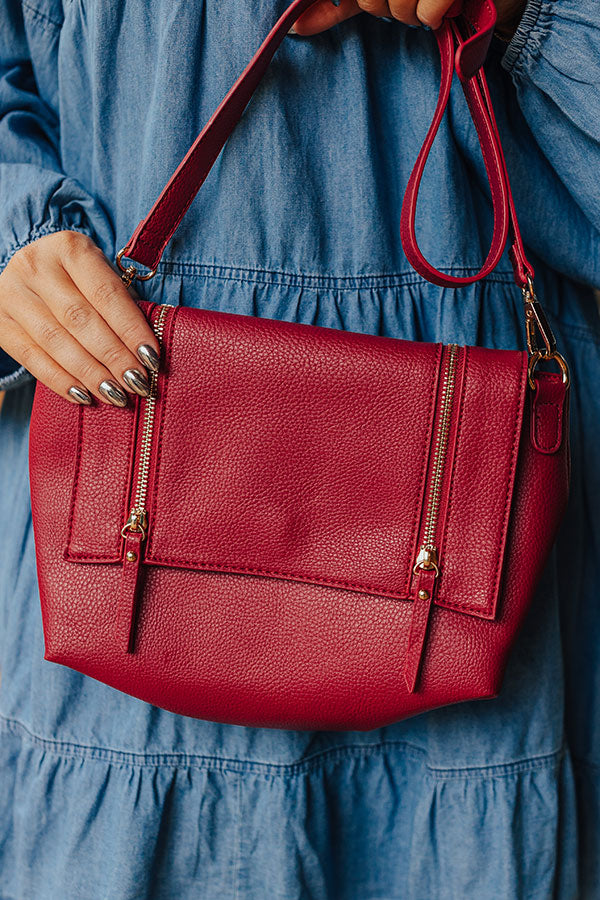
column 426, row 570
column 137, row 521
column 427, row 558
column 130, row 582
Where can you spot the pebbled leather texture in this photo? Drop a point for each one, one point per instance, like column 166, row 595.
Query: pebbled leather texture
column 286, row 503
column 548, row 413
column 290, row 478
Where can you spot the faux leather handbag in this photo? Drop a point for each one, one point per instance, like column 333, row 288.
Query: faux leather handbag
column 303, row 527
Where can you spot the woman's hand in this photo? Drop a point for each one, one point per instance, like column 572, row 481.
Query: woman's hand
column 412, row 12
column 68, row 318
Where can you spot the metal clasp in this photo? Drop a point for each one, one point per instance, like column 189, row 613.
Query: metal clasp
column 427, row 559
column 130, row 273
column 137, row 521
column 536, row 324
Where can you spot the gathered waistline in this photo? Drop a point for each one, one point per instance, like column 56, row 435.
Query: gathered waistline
column 367, row 280
column 71, row 750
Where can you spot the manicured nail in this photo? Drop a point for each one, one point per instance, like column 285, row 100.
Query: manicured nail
column 292, row 30
column 80, row 395
column 149, row 357
column 113, row 393
column 137, row 381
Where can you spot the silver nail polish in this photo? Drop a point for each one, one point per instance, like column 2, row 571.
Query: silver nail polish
column 80, row 395
column 113, row 393
column 149, row 357
column 137, row 381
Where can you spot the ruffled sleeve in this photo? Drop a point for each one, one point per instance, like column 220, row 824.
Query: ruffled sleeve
column 36, row 197
column 554, row 62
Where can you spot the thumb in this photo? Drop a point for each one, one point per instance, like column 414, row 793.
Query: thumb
column 323, row 15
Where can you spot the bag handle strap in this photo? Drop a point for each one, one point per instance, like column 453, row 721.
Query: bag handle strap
column 462, row 54
column 463, row 41
column 153, row 233
column 148, row 241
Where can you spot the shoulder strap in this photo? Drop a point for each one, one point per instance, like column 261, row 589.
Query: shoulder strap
column 463, row 41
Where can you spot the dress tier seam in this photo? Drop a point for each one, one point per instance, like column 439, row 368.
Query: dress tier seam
column 247, row 272
column 71, row 750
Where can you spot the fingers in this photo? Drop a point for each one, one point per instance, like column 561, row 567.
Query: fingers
column 404, row 11
column 324, row 15
column 35, row 318
column 375, row 7
column 18, row 344
column 321, row 16
column 431, row 12
column 112, row 304
column 110, row 339
column 68, row 318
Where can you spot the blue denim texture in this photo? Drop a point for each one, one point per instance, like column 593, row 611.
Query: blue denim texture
column 103, row 796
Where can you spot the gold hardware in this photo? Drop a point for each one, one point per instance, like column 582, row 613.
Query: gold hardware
column 423, row 595
column 130, row 272
column 137, row 521
column 536, row 357
column 131, row 556
column 138, row 516
column 427, row 557
column 536, row 324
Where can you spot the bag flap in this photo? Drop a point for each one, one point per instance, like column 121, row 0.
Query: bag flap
column 298, row 452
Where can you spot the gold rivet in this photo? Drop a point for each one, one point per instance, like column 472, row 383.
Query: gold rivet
column 423, row 595
column 131, row 556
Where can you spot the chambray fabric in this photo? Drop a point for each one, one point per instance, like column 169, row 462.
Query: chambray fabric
column 104, row 796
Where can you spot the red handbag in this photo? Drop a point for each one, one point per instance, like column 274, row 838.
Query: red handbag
column 309, row 528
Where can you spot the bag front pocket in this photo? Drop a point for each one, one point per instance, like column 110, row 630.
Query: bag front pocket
column 310, row 454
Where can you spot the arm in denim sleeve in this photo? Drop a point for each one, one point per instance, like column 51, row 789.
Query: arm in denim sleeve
column 554, row 63
column 36, row 197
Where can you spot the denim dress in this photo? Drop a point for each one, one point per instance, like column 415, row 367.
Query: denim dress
column 103, row 795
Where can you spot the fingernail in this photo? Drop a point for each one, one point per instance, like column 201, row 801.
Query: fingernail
column 137, row 381
column 80, row 395
column 149, row 357
column 113, row 393
column 292, row 30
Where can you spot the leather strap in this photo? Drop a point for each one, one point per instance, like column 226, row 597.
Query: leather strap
column 153, row 233
column 463, row 41
column 475, row 88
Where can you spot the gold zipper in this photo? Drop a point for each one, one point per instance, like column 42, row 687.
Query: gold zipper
column 138, row 514
column 427, row 556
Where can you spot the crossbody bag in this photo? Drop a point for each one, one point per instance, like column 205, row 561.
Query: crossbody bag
column 303, row 527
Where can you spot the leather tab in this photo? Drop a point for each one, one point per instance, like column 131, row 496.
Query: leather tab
column 471, row 53
column 424, row 587
column 130, row 578
column 547, row 414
